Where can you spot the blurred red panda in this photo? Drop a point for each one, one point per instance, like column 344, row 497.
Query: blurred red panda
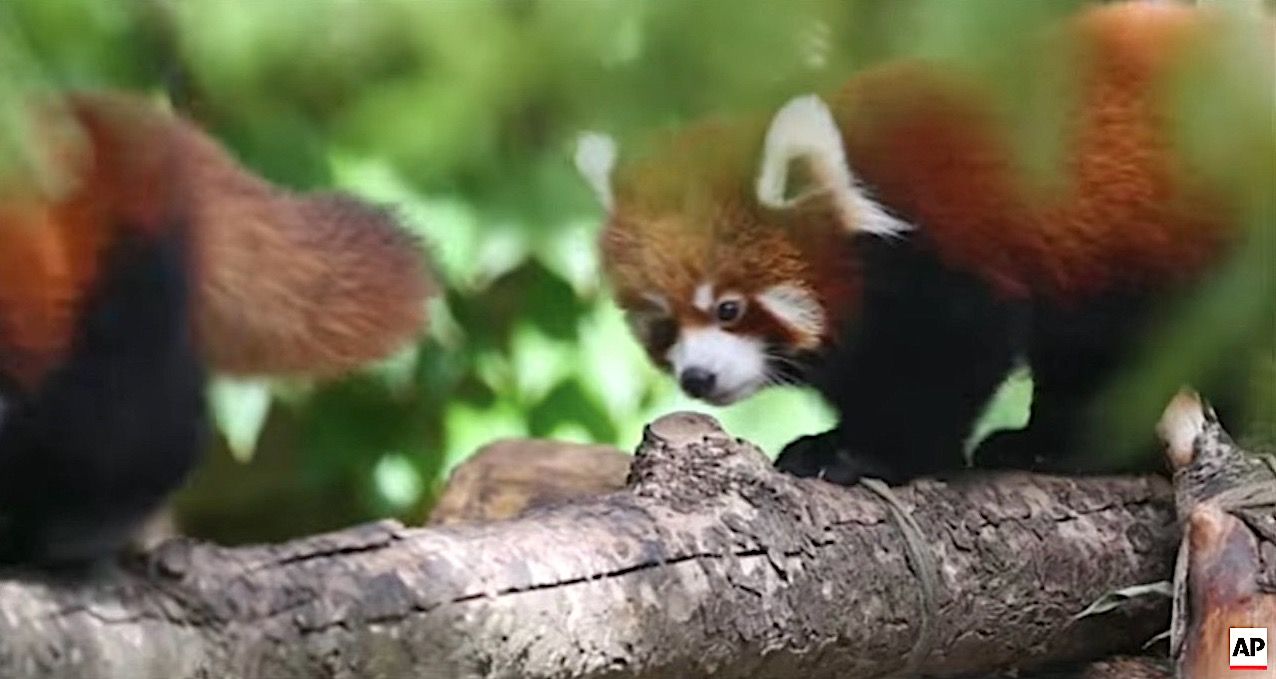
column 922, row 262
column 155, row 255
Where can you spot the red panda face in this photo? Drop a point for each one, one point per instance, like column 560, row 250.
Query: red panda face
column 724, row 342
column 726, row 304
column 730, row 284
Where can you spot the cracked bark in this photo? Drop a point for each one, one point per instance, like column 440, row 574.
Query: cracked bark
column 708, row 564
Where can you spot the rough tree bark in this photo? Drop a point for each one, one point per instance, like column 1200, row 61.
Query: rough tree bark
column 710, row 563
column 1226, row 571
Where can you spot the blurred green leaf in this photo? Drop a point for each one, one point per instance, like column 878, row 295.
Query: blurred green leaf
column 398, row 482
column 570, row 407
column 612, row 366
column 538, row 362
column 470, row 428
column 239, row 408
column 1008, row 408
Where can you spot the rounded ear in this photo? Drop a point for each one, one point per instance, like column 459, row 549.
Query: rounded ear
column 804, row 130
column 595, row 160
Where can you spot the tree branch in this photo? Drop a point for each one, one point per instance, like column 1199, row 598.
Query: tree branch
column 709, row 563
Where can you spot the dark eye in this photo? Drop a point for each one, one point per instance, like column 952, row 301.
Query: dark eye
column 729, row 310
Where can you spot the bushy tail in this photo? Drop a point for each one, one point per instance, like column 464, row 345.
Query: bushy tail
column 286, row 283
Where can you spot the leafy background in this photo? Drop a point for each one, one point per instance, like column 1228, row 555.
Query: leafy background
column 462, row 115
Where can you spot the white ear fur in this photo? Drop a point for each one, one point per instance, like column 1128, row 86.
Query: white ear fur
column 804, row 129
column 595, row 160
column 795, row 306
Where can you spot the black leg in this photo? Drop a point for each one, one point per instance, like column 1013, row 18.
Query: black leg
column 914, row 372
column 117, row 427
column 827, row 456
column 1076, row 354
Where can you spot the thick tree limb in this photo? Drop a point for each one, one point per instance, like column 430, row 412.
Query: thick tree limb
column 710, row 563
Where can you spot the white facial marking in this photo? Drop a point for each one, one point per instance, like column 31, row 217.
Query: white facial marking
column 805, row 129
column 595, row 160
column 797, row 308
column 738, row 363
column 702, row 298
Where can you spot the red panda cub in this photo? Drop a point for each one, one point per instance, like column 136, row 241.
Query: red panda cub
column 156, row 254
column 917, row 263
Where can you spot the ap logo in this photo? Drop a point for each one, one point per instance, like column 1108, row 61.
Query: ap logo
column 1248, row 648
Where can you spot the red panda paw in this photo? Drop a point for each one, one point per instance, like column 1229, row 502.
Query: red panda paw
column 826, row 456
column 1011, row 449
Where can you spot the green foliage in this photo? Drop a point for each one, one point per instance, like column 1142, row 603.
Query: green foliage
column 1226, row 105
column 1007, row 409
column 461, row 115
column 240, row 408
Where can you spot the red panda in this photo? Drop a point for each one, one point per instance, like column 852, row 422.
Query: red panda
column 155, row 255
column 922, row 263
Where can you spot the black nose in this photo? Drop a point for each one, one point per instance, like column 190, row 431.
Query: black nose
column 697, row 382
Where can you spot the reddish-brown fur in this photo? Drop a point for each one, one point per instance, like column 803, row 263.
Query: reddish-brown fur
column 1126, row 209
column 283, row 282
column 677, row 226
